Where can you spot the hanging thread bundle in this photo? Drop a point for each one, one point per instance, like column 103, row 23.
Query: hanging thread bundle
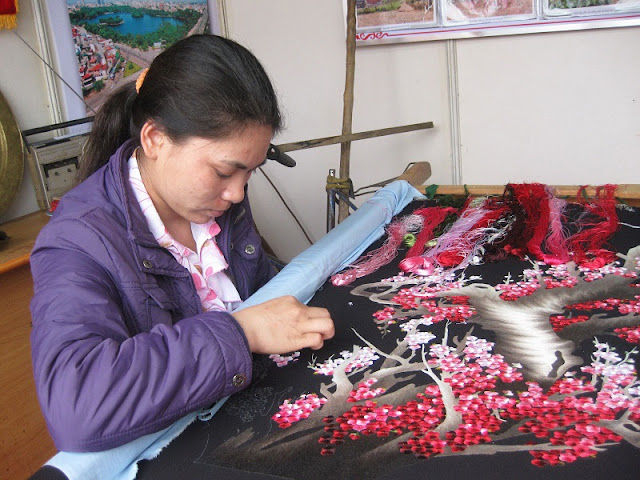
column 460, row 243
column 596, row 226
column 369, row 263
column 527, row 220
column 432, row 218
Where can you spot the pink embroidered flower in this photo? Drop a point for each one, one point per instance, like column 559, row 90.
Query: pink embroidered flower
column 284, row 360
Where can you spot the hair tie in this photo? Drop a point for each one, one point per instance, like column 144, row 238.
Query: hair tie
column 141, row 79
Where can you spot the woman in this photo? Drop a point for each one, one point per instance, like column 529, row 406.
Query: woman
column 137, row 274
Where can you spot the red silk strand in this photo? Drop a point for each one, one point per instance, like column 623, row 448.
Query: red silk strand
column 433, row 217
column 600, row 222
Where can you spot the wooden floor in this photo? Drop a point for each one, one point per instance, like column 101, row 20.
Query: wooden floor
column 25, row 444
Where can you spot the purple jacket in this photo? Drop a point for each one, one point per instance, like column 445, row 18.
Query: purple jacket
column 120, row 345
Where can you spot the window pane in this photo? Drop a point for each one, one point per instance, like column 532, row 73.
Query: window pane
column 591, row 7
column 394, row 14
column 475, row 11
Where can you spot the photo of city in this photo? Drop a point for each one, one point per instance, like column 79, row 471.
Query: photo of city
column 115, row 40
column 371, row 13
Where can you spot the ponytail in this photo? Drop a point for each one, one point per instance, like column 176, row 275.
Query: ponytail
column 111, row 128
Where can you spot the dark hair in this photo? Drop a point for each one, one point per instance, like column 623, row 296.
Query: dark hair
column 203, row 85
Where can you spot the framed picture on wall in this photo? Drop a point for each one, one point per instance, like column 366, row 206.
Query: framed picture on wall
column 389, row 21
column 90, row 48
column 115, row 40
column 96, row 45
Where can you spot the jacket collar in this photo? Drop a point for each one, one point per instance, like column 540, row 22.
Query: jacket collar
column 136, row 223
column 150, row 257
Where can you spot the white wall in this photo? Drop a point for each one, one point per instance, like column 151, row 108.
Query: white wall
column 22, row 82
column 557, row 108
column 560, row 108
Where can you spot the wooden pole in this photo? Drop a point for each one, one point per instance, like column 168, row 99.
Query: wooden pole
column 321, row 142
column 347, row 112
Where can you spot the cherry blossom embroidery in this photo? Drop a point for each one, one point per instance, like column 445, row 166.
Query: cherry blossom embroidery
column 290, row 413
column 466, row 405
column 284, row 360
column 536, row 364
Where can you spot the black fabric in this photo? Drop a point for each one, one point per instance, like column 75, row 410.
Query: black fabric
column 242, row 441
column 48, row 472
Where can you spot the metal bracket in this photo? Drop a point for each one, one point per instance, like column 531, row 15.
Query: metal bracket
column 333, row 197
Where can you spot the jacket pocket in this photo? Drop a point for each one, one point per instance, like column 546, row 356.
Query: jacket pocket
column 146, row 305
column 159, row 307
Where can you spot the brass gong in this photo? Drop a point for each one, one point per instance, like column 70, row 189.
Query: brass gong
column 11, row 156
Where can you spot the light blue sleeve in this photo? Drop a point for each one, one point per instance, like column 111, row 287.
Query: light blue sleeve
column 341, row 246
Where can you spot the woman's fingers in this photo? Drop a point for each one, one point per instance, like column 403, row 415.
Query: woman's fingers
column 284, row 325
column 322, row 326
column 314, row 341
column 317, row 312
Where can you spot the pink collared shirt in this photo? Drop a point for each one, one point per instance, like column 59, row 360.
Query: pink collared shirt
column 207, row 264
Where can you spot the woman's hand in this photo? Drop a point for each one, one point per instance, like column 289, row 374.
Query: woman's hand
column 284, row 325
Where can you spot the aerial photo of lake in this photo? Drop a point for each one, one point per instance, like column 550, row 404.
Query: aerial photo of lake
column 142, row 25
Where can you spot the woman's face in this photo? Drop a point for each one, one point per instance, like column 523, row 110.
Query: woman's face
column 199, row 179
